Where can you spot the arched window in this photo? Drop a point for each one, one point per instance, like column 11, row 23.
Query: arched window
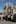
column 9, row 10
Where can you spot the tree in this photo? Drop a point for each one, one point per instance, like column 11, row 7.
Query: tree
column 4, row 7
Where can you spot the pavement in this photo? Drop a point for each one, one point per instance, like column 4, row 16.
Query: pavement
column 7, row 22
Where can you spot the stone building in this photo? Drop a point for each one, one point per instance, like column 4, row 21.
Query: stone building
column 8, row 10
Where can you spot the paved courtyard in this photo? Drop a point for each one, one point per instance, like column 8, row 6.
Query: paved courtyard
column 7, row 22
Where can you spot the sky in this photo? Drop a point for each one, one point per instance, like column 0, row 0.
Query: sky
column 6, row 2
